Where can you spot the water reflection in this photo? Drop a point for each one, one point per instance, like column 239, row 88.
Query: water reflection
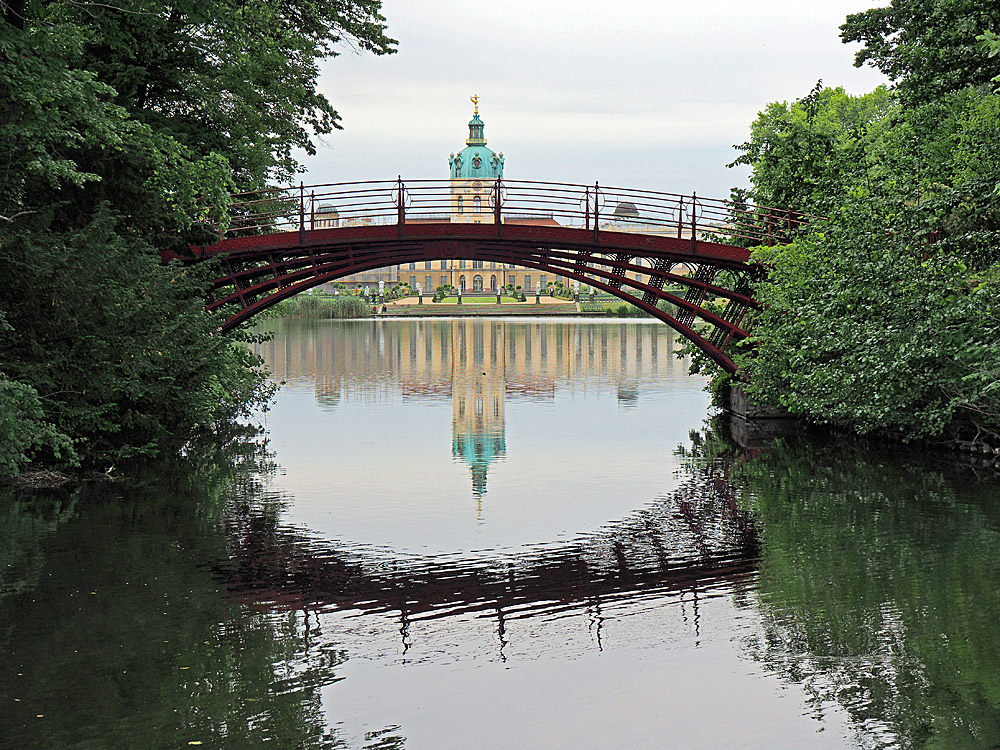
column 879, row 591
column 480, row 364
column 113, row 632
column 811, row 594
column 527, row 408
column 682, row 548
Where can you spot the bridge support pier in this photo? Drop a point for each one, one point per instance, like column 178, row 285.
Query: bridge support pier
column 752, row 425
column 741, row 405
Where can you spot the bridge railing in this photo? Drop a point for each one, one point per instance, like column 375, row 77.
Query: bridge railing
column 592, row 207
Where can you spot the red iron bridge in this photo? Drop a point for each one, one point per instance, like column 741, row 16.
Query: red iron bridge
column 681, row 258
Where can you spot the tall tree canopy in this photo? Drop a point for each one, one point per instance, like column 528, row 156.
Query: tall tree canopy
column 121, row 124
column 926, row 47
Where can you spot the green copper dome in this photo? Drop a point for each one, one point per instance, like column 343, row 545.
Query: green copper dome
column 476, row 161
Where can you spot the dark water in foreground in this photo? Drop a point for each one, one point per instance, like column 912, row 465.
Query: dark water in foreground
column 480, row 533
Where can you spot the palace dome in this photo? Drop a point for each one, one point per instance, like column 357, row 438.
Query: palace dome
column 626, row 210
column 476, row 161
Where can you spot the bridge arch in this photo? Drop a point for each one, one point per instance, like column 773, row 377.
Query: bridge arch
column 559, row 230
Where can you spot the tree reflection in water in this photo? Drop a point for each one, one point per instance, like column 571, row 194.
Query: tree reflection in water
column 878, row 588
column 114, row 633
column 185, row 610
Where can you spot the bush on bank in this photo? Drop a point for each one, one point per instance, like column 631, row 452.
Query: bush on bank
column 324, row 307
column 885, row 317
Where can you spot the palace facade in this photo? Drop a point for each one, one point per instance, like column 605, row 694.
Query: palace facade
column 471, row 173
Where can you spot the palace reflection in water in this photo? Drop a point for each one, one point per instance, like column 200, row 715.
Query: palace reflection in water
column 478, row 364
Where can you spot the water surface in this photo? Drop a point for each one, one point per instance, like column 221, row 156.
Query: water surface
column 504, row 533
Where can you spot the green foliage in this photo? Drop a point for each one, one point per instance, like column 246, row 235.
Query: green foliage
column 120, row 344
column 324, row 306
column 858, row 330
column 23, row 429
column 886, row 316
column 625, row 310
column 928, row 48
column 441, row 292
column 125, row 128
column 805, row 156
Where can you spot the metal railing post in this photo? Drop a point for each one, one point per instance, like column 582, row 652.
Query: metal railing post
column 496, row 208
column 597, row 210
column 312, row 210
column 586, row 206
column 400, row 204
column 680, row 217
column 694, row 222
column 302, row 212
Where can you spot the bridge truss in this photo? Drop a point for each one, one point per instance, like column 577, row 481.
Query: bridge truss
column 680, row 258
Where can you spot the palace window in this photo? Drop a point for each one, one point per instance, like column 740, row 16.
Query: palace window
column 477, row 264
column 427, row 265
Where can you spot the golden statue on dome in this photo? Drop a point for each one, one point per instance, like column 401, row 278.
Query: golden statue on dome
column 475, row 100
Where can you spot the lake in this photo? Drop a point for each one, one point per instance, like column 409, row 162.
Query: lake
column 500, row 533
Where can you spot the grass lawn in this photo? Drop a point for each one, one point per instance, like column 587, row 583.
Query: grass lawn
column 477, row 301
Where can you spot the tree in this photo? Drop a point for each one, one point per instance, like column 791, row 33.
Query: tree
column 884, row 316
column 805, row 156
column 926, row 47
column 859, row 329
column 125, row 126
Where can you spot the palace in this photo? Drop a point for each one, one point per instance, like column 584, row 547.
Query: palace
column 472, row 173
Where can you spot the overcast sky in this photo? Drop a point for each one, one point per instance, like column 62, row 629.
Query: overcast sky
column 632, row 93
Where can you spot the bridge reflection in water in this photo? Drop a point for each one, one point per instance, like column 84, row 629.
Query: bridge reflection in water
column 686, row 545
column 690, row 545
